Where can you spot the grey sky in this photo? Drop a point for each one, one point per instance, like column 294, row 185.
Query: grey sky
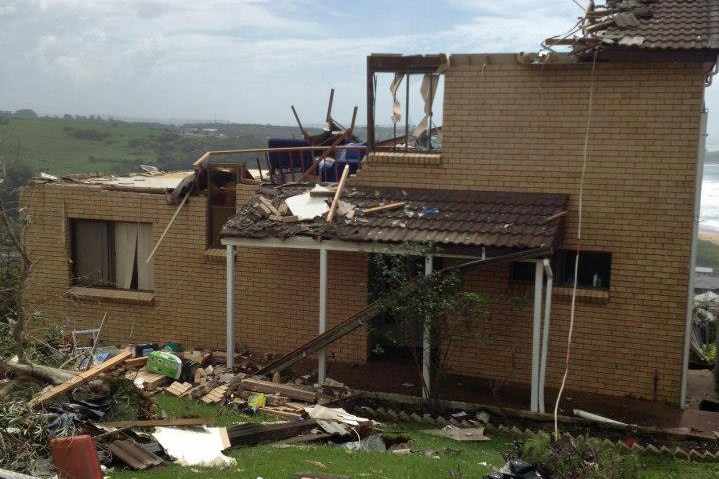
column 243, row 60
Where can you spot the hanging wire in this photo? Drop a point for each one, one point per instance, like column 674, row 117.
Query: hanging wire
column 579, row 247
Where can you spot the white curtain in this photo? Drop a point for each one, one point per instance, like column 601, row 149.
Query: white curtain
column 396, row 107
column 145, row 271
column 125, row 249
column 428, row 90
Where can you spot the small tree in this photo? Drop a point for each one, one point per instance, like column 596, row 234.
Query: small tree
column 435, row 305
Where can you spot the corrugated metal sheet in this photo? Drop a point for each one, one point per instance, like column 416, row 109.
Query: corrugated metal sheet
column 134, row 455
column 463, row 218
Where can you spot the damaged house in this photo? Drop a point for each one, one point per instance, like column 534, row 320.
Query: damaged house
column 216, row 258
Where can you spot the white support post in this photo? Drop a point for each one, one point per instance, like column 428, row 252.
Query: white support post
column 536, row 332
column 545, row 331
column 322, row 366
column 230, row 306
column 427, row 340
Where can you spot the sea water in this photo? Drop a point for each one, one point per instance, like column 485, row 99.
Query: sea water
column 709, row 214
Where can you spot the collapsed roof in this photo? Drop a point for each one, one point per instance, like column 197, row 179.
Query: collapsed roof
column 442, row 217
column 660, row 25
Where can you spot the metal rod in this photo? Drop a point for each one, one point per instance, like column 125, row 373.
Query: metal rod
column 545, row 332
column 230, row 306
column 429, row 119
column 427, row 341
column 322, row 366
column 259, row 168
column 406, row 114
column 536, row 332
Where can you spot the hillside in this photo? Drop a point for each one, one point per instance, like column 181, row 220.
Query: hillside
column 61, row 146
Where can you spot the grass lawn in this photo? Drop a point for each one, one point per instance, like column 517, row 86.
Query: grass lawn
column 277, row 461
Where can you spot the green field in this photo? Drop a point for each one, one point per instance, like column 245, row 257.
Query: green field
column 60, row 146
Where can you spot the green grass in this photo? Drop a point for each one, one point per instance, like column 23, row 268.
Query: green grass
column 60, row 146
column 274, row 461
column 708, row 254
column 46, row 146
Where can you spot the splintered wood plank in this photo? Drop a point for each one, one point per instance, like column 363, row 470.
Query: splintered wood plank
column 389, row 206
column 216, row 395
column 286, row 390
column 178, row 388
column 81, row 378
column 144, row 379
column 190, row 421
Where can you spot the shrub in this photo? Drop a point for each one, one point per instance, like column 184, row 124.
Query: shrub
column 578, row 459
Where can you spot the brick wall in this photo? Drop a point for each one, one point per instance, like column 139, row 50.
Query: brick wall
column 276, row 291
column 521, row 128
column 510, row 128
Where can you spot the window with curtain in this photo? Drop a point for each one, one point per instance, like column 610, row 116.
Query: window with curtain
column 112, row 254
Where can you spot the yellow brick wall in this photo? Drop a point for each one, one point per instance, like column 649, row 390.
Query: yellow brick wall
column 521, row 128
column 276, row 291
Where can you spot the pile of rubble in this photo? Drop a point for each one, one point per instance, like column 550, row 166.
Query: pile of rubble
column 72, row 436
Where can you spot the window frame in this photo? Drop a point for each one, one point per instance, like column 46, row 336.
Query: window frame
column 563, row 269
column 111, row 249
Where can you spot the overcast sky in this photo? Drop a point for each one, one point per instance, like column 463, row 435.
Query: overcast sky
column 243, row 60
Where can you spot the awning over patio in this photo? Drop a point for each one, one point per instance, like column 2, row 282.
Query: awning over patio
column 489, row 225
column 449, row 219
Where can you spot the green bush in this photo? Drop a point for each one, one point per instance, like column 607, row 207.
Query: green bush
column 707, row 254
column 578, row 459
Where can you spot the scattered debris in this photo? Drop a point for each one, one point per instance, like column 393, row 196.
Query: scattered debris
column 196, row 447
column 459, row 434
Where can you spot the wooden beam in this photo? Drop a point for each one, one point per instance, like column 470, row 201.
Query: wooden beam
column 191, row 421
column 404, row 63
column 389, row 206
column 555, row 216
column 299, row 123
column 81, row 378
column 329, row 109
column 286, row 390
column 340, row 185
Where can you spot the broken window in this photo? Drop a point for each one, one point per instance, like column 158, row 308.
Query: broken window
column 404, row 114
column 594, row 269
column 222, row 181
column 112, row 254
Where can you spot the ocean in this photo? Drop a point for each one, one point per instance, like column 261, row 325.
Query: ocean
column 709, row 213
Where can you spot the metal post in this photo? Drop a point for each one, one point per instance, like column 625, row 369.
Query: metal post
column 406, row 114
column 322, row 366
column 230, row 306
column 536, row 332
column 545, row 332
column 701, row 151
column 427, row 341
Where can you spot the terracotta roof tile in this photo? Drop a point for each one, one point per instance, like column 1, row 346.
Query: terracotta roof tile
column 463, row 218
column 668, row 25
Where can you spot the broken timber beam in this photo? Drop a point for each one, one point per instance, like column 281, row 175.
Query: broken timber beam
column 338, row 192
column 249, row 434
column 286, row 390
column 81, row 378
column 191, row 421
column 373, row 309
column 389, row 206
